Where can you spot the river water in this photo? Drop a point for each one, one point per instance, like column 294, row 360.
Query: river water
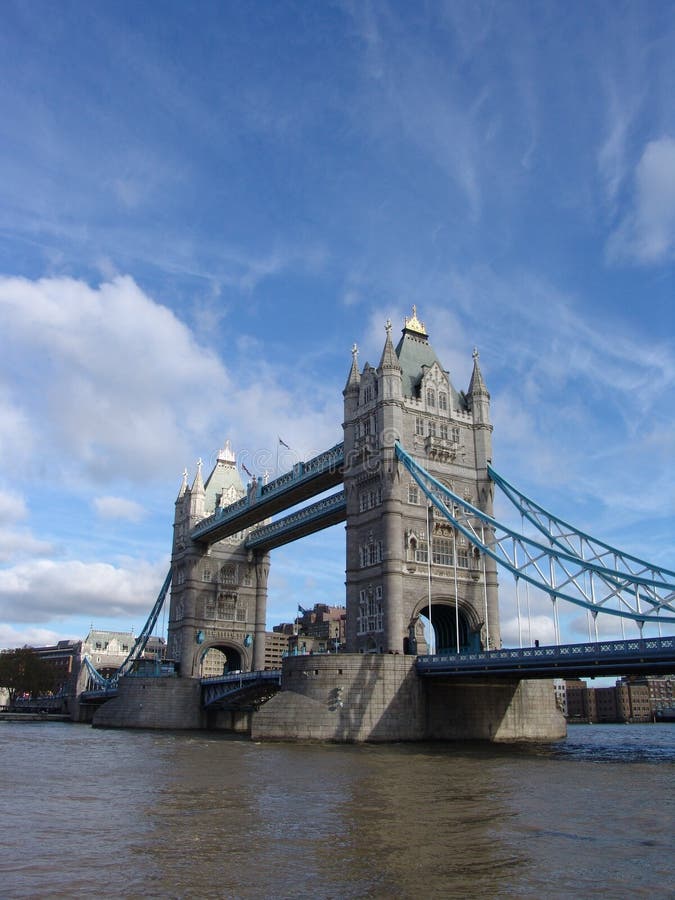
column 126, row 814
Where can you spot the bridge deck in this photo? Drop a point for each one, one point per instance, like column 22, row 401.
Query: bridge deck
column 648, row 656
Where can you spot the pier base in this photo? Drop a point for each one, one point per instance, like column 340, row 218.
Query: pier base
column 153, row 703
column 493, row 710
column 359, row 697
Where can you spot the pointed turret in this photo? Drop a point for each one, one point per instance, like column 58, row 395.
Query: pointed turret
column 479, row 403
column 354, row 378
column 389, row 371
column 477, row 385
column 183, row 486
column 198, row 483
column 389, row 360
column 351, row 403
column 197, row 495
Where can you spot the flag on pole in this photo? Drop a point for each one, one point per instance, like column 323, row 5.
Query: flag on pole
column 246, row 470
column 284, row 444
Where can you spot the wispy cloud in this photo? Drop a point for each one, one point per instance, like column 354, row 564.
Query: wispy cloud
column 118, row 508
column 646, row 234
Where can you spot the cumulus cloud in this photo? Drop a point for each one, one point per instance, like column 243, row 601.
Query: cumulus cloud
column 44, row 590
column 118, row 508
column 646, row 234
column 12, row 507
column 11, row 637
column 20, row 543
column 540, row 627
column 109, row 378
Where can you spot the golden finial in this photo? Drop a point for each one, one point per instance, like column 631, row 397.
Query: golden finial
column 414, row 324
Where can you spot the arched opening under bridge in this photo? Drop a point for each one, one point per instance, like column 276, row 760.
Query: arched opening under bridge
column 220, row 660
column 438, row 634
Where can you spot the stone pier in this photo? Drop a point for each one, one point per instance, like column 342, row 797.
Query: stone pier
column 379, row 697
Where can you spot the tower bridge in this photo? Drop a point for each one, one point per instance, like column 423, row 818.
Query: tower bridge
column 414, row 484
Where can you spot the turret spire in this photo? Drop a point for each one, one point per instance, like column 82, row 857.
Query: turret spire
column 183, row 486
column 389, row 358
column 354, row 376
column 198, row 483
column 477, row 385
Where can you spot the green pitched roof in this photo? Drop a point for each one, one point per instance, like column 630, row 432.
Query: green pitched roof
column 415, row 355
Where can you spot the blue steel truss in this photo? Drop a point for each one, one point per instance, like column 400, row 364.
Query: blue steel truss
column 644, row 596
column 136, row 651
column 577, row 542
column 321, row 514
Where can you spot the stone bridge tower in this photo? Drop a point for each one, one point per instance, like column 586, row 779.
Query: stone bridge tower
column 393, row 569
column 218, row 591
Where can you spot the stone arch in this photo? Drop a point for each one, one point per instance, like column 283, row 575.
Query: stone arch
column 444, row 617
column 235, row 658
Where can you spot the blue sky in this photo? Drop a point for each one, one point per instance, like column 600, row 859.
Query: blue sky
column 202, row 206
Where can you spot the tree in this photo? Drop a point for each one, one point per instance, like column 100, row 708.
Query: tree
column 23, row 672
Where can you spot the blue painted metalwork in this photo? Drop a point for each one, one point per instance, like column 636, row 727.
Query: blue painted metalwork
column 136, row 651
column 305, row 521
column 646, row 655
column 558, row 572
column 281, row 493
column 575, row 541
column 215, row 690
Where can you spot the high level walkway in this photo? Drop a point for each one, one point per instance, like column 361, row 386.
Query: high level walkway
column 305, row 480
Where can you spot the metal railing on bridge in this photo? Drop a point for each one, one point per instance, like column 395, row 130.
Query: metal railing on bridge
column 221, row 688
column 305, row 479
column 633, row 656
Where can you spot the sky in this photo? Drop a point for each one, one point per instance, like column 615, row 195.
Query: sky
column 204, row 205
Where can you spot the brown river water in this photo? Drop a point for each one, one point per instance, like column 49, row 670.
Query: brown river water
column 126, row 814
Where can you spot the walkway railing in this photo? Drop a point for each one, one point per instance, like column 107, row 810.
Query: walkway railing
column 606, row 657
column 300, row 521
column 260, row 496
column 221, row 686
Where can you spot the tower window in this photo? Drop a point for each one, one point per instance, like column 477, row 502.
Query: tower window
column 419, row 425
column 228, row 574
column 431, row 398
column 371, row 616
column 442, row 401
column 413, row 493
column 442, row 552
column 455, row 435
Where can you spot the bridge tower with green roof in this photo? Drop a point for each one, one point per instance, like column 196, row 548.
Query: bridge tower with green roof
column 403, row 563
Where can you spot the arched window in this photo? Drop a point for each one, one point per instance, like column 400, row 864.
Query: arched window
column 431, row 397
column 228, row 574
column 442, row 400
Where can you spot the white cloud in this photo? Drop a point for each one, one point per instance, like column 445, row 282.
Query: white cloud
column 44, row 590
column 21, row 543
column 17, row 437
column 110, row 379
column 540, row 627
column 11, row 637
column 12, row 507
column 118, row 508
column 647, row 232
